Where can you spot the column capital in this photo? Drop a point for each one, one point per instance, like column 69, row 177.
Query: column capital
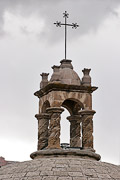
column 74, row 118
column 42, row 116
column 87, row 112
column 54, row 110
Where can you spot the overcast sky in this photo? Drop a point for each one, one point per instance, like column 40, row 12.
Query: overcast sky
column 30, row 44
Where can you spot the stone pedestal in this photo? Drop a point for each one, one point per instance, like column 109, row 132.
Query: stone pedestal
column 66, row 153
column 54, row 127
column 43, row 123
column 87, row 128
column 75, row 129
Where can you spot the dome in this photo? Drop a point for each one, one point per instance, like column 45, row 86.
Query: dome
column 60, row 169
column 69, row 76
column 65, row 74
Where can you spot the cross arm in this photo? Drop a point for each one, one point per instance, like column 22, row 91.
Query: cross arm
column 59, row 24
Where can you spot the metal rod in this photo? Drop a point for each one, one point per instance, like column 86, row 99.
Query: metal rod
column 65, row 36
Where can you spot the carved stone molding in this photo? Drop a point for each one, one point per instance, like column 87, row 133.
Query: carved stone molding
column 42, row 116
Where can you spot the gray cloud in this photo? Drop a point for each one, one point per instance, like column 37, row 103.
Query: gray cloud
column 88, row 14
column 22, row 59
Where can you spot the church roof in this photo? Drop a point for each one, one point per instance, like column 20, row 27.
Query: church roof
column 60, row 169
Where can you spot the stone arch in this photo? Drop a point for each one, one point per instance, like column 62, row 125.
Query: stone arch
column 72, row 105
column 45, row 105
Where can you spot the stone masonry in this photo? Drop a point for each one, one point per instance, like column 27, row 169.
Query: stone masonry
column 60, row 169
column 65, row 90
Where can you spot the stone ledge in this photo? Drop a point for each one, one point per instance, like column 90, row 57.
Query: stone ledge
column 78, row 153
column 64, row 87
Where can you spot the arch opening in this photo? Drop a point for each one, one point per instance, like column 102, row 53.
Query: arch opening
column 65, row 129
column 73, row 106
column 46, row 105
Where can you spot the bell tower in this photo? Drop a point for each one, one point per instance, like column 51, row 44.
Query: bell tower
column 65, row 90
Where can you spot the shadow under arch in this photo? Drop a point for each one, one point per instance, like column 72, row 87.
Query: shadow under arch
column 73, row 106
column 46, row 105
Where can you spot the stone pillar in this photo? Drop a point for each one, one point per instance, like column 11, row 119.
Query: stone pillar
column 87, row 128
column 43, row 123
column 75, row 133
column 54, row 127
column 44, row 81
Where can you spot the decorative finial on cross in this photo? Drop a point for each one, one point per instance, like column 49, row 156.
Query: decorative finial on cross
column 59, row 24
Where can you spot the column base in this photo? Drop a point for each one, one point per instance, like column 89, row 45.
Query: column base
column 70, row 152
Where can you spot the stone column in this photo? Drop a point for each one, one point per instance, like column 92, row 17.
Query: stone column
column 87, row 128
column 75, row 133
column 54, row 127
column 43, row 123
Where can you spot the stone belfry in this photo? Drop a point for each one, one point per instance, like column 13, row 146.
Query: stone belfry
column 65, row 89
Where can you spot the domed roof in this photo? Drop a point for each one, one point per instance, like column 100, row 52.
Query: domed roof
column 65, row 74
column 60, row 169
column 69, row 76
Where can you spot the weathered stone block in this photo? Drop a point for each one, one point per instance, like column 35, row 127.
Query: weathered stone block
column 65, row 178
column 49, row 178
column 35, row 173
column 75, row 174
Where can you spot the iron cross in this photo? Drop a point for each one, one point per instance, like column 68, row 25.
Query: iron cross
column 59, row 24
